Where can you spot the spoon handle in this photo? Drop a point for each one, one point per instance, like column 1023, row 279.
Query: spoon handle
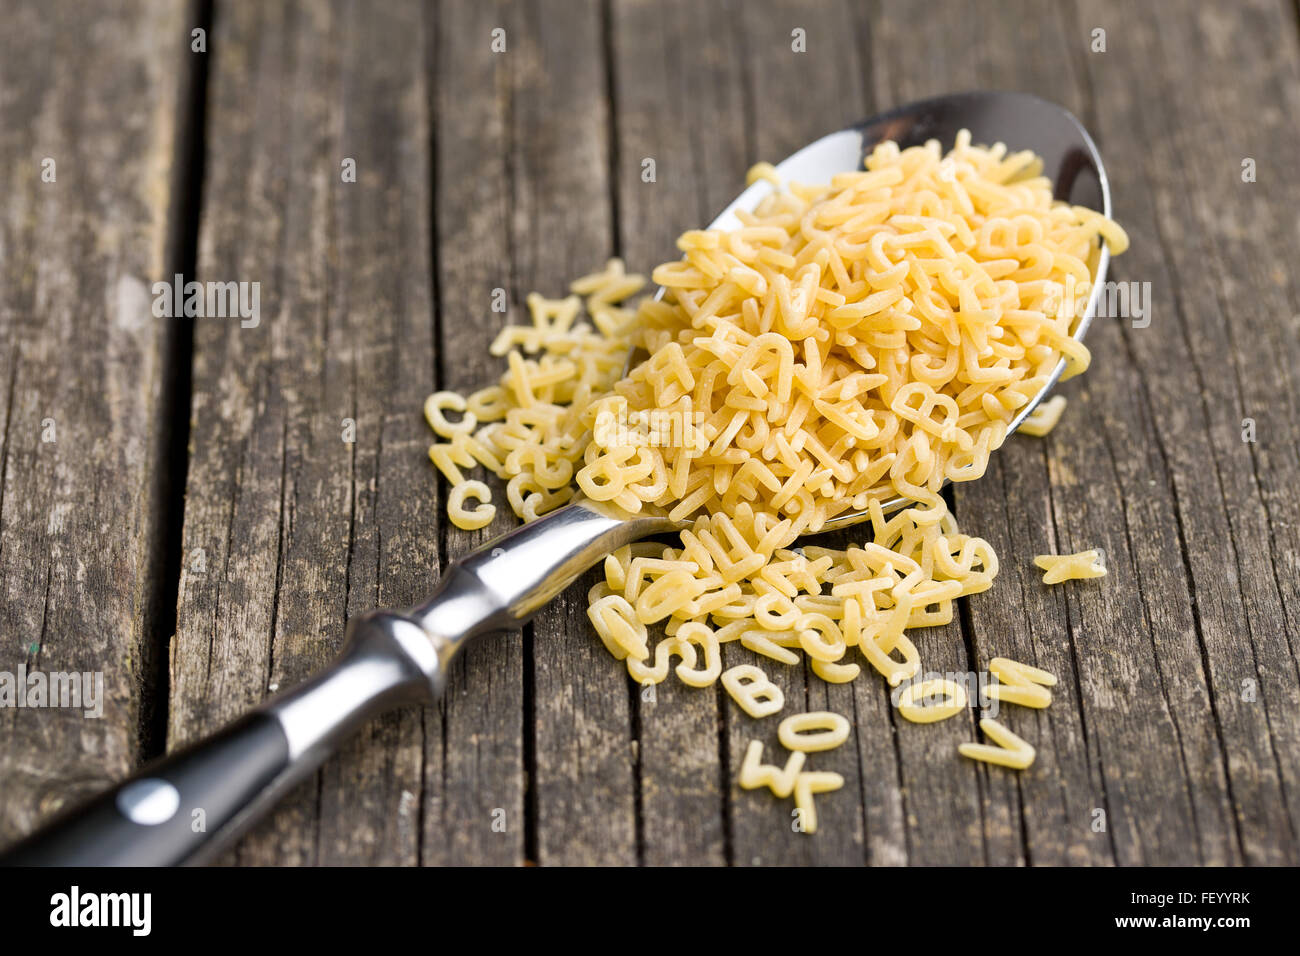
column 503, row 583
column 185, row 807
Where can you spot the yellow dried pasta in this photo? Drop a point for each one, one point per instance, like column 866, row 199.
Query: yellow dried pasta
column 463, row 517
column 848, row 344
column 868, row 338
column 951, row 700
column 754, row 773
column 814, row 731
column 1071, row 567
column 750, row 688
column 1044, row 418
column 805, row 785
column 764, row 171
column 1010, row 750
column 1020, row 683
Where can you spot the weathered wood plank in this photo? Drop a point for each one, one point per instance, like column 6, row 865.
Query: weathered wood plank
column 1214, row 354
column 300, row 526
column 1148, row 718
column 584, row 781
column 679, row 96
column 1177, row 712
column 83, row 373
column 476, row 764
column 1017, row 618
column 798, row 88
column 685, row 98
column 1150, row 722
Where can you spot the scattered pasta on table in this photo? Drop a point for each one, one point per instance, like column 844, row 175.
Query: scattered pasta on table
column 1007, row 750
column 1071, row 567
column 847, row 346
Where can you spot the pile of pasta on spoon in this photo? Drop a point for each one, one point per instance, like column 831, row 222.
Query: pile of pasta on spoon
column 849, row 344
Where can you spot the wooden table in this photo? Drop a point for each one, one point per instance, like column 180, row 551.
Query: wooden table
column 180, row 511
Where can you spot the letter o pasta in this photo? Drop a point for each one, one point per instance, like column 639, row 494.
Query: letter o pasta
column 813, row 732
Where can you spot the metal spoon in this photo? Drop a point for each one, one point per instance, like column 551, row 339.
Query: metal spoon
column 393, row 658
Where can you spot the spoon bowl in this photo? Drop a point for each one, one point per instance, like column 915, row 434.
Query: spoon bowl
column 1020, row 120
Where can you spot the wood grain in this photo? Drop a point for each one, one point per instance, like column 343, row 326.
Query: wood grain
column 686, row 115
column 1044, row 814
column 1226, row 321
column 477, row 737
column 562, row 227
column 1174, row 736
column 301, row 527
column 83, row 381
column 816, row 89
